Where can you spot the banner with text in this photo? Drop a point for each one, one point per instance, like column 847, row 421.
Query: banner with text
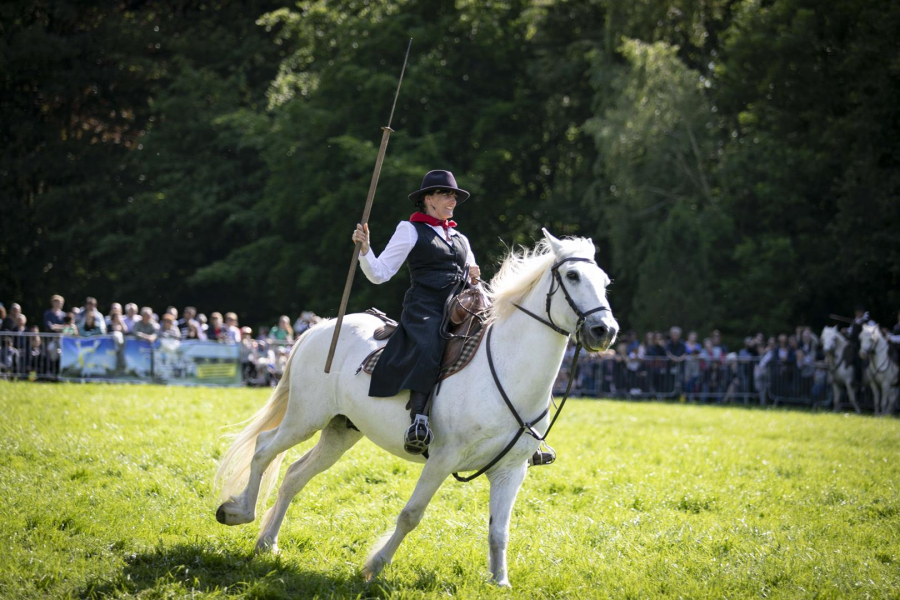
column 113, row 358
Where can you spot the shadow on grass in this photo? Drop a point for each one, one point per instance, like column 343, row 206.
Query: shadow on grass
column 181, row 569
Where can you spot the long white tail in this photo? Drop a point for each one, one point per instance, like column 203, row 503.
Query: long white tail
column 234, row 468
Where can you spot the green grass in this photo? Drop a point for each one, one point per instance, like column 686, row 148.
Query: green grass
column 106, row 493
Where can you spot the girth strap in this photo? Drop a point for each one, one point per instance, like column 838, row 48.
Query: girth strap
column 524, row 427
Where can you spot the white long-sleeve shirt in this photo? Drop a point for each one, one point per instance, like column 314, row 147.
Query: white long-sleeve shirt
column 379, row 269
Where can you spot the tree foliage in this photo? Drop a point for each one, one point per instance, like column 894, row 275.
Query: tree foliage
column 736, row 162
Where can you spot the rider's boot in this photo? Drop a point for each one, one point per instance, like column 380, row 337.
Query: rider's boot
column 418, row 436
column 544, row 455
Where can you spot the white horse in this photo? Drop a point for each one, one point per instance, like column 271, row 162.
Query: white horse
column 882, row 371
column 470, row 420
column 834, row 345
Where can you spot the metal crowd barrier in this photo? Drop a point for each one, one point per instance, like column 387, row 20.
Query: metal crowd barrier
column 29, row 355
column 36, row 357
column 696, row 379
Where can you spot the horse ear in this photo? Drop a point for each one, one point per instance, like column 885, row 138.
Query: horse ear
column 555, row 244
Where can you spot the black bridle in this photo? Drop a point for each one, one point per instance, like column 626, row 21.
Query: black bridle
column 556, row 283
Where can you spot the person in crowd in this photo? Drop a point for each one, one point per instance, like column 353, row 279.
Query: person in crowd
column 692, row 364
column 147, row 328
column 194, row 332
column 216, row 332
column 9, row 357
column 231, row 325
column 2, row 315
column 894, row 351
column 676, row 353
column 53, row 316
column 21, row 341
column 10, row 322
column 167, row 329
column 762, row 371
column 716, row 336
column 115, row 320
column 90, row 307
column 734, row 378
column 90, row 324
column 35, row 360
column 618, row 377
column 204, row 322
column 711, row 368
column 131, row 317
column 249, row 355
column 116, row 327
column 675, row 348
column 171, row 310
column 282, row 332
column 185, row 322
column 303, row 322
column 68, row 325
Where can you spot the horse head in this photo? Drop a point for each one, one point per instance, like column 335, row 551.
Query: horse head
column 829, row 339
column 586, row 312
column 867, row 338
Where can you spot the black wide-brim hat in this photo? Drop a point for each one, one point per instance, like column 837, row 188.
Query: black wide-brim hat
column 439, row 180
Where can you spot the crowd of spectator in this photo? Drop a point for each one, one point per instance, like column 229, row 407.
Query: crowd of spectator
column 262, row 355
column 662, row 364
column 666, row 364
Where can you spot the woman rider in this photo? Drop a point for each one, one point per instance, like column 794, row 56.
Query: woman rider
column 437, row 256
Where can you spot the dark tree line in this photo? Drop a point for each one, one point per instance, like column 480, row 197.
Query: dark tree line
column 736, row 163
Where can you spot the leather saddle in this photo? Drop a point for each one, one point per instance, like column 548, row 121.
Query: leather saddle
column 464, row 327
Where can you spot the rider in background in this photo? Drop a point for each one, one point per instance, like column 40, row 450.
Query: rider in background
column 860, row 318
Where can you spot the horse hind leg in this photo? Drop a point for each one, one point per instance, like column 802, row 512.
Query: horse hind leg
column 270, row 445
column 336, row 439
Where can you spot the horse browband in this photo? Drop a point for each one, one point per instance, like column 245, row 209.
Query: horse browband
column 528, row 427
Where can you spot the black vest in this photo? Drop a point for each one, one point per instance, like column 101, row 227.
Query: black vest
column 433, row 263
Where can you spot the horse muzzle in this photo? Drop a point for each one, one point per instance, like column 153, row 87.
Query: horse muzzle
column 599, row 332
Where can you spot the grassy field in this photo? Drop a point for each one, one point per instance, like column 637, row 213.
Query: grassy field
column 106, row 493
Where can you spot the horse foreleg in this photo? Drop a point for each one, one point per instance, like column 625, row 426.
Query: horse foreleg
column 836, row 396
column 505, row 486
column 336, row 439
column 851, row 394
column 433, row 475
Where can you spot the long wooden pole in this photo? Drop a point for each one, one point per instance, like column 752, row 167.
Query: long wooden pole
column 386, row 134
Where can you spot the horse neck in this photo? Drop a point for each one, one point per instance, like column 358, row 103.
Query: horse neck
column 528, row 354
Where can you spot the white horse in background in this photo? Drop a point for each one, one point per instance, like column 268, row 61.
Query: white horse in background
column 834, row 344
column 882, row 371
column 470, row 421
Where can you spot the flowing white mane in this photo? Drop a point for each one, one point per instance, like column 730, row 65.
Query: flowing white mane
column 521, row 271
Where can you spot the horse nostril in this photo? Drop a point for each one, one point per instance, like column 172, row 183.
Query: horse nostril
column 599, row 332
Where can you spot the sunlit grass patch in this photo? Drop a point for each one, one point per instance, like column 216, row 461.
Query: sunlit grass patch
column 107, row 493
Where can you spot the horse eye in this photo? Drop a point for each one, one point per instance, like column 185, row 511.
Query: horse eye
column 572, row 276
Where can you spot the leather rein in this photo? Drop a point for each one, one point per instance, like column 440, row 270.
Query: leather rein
column 556, row 283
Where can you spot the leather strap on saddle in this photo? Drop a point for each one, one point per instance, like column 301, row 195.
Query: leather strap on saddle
column 386, row 330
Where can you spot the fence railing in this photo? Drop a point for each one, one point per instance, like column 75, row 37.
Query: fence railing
column 748, row 380
column 37, row 357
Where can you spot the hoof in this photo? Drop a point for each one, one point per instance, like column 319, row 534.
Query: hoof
column 227, row 514
column 267, row 547
column 372, row 569
column 503, row 584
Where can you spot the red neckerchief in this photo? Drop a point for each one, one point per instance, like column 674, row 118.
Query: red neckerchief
column 419, row 217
